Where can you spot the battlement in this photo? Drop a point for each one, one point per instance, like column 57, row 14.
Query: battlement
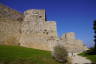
column 51, row 22
column 34, row 12
column 35, row 15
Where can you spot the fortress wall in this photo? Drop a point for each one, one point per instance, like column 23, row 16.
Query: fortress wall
column 36, row 32
column 37, row 41
column 34, row 41
column 32, row 36
column 32, row 30
column 51, row 27
column 72, row 44
column 7, row 12
column 69, row 36
column 38, row 36
column 9, row 31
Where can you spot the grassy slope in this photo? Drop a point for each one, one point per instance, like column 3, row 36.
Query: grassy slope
column 21, row 55
column 90, row 57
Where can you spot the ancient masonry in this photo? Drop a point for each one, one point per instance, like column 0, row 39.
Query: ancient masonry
column 35, row 32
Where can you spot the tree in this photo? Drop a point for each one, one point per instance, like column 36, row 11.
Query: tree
column 94, row 27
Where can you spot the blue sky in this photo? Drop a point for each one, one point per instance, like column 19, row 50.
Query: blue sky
column 70, row 15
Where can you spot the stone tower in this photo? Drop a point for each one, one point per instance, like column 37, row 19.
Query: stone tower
column 36, row 31
column 35, row 16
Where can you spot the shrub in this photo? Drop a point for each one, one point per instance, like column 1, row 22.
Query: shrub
column 60, row 54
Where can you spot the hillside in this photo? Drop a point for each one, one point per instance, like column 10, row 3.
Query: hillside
column 21, row 55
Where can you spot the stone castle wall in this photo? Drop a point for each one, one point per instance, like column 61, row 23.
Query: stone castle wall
column 34, row 31
column 9, row 30
column 71, row 43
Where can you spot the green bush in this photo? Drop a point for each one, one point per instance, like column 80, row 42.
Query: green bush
column 60, row 54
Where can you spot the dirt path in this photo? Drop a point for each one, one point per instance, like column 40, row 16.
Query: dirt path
column 80, row 60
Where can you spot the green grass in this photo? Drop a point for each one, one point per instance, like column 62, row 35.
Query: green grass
column 90, row 57
column 22, row 55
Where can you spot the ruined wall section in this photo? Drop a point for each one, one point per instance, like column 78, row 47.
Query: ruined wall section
column 7, row 12
column 9, row 31
column 72, row 44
